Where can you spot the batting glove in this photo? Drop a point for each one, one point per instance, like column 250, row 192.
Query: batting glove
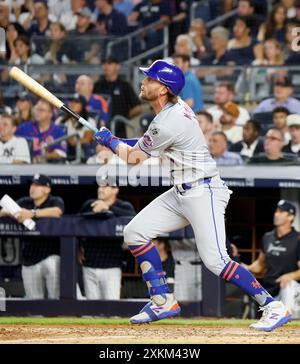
column 105, row 137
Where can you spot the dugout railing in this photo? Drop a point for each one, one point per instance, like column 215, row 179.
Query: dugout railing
column 69, row 228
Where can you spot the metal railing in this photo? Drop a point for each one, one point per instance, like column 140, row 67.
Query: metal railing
column 122, row 120
column 131, row 37
column 59, row 140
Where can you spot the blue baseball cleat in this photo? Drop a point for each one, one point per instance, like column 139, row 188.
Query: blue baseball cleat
column 154, row 312
column 274, row 315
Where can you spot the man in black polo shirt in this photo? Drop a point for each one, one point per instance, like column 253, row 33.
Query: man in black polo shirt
column 41, row 260
column 280, row 258
column 102, row 258
column 124, row 100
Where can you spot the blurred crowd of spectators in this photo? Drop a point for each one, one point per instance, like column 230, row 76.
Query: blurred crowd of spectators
column 69, row 32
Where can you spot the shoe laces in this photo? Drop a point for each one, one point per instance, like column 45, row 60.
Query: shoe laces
column 265, row 313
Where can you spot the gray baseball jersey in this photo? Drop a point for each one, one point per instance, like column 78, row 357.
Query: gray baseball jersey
column 174, row 135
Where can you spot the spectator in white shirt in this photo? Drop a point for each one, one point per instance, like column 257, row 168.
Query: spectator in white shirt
column 13, row 150
column 293, row 122
column 233, row 132
column 69, row 18
column 224, row 92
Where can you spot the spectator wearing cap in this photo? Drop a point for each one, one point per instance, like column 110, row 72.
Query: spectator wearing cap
column 218, row 147
column 13, row 150
column 110, row 21
column 224, row 92
column 102, row 258
column 273, row 146
column 96, row 104
column 40, row 255
column 283, row 90
column 24, row 108
column 78, row 104
column 279, row 116
column 192, row 92
column 251, row 144
column 84, row 24
column 234, row 133
column 205, row 121
column 124, row 100
column 279, row 258
column 242, row 48
column 293, row 122
column 69, row 18
column 42, row 131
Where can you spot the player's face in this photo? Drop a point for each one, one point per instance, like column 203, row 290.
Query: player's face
column 151, row 89
column 37, row 191
column 281, row 217
column 105, row 193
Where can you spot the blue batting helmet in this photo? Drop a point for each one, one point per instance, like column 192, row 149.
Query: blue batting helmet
column 167, row 73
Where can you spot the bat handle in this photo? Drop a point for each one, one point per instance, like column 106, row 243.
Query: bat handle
column 80, row 119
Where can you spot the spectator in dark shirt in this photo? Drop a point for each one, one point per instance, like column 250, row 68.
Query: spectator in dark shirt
column 293, row 122
column 101, row 258
column 245, row 8
column 251, row 144
column 242, row 48
column 279, row 259
column 124, row 100
column 43, row 131
column 40, row 25
column 147, row 12
column 110, row 21
column 275, row 25
column 273, row 145
column 41, row 255
column 219, row 44
column 80, row 37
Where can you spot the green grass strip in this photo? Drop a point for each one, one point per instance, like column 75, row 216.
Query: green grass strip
column 121, row 321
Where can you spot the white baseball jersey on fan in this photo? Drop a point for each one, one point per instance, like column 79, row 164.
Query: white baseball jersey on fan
column 175, row 136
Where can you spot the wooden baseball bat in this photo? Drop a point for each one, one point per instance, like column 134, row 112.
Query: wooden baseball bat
column 39, row 90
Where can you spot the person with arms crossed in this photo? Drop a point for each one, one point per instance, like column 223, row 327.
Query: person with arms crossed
column 199, row 197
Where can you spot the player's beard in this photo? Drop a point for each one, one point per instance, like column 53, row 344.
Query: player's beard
column 149, row 97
